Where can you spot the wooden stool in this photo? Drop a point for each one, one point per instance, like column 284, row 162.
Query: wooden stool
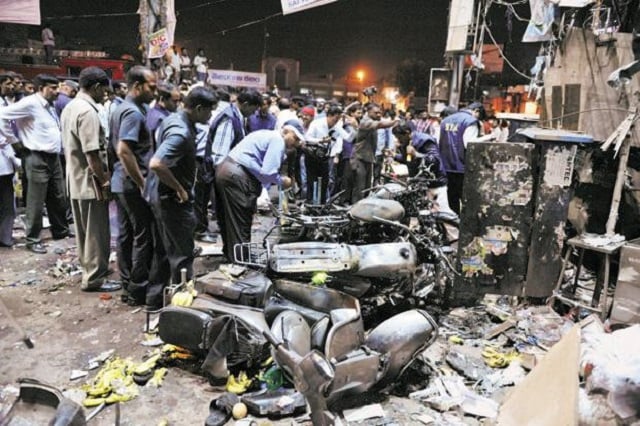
column 585, row 242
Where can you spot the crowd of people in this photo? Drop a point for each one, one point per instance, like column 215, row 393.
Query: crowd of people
column 174, row 160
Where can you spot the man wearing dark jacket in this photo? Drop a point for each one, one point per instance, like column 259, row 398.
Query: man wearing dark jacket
column 456, row 131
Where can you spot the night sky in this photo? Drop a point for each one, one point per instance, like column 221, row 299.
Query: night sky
column 336, row 38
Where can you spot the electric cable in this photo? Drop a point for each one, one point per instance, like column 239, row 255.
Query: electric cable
column 495, row 43
column 548, row 120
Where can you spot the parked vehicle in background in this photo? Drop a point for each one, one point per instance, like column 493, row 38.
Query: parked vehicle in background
column 69, row 68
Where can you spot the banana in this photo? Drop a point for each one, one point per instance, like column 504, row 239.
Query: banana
column 240, row 385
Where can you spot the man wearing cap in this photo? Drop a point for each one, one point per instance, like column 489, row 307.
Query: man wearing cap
column 456, row 131
column 255, row 162
column 43, row 143
column 66, row 92
column 87, row 178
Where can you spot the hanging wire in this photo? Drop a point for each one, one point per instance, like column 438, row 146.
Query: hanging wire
column 549, row 120
column 111, row 15
column 495, row 43
column 246, row 24
column 511, row 6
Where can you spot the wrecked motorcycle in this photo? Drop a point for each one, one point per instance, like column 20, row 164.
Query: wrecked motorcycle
column 354, row 224
column 387, row 278
column 313, row 320
column 395, row 201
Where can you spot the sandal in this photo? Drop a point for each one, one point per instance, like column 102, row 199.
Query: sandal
column 220, row 409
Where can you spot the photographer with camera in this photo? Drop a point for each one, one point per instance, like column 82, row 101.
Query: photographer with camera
column 322, row 153
column 364, row 156
column 369, row 92
column 344, row 179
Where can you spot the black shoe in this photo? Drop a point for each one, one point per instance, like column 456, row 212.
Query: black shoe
column 132, row 301
column 37, row 248
column 105, row 287
column 68, row 234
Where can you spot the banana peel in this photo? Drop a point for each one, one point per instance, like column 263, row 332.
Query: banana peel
column 496, row 359
column 173, row 352
column 147, row 366
column 240, row 385
column 115, row 382
column 185, row 297
column 158, row 377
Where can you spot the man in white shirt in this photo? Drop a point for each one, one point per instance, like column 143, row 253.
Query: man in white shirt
column 185, row 65
column 322, row 153
column 38, row 128
column 290, row 113
column 48, row 42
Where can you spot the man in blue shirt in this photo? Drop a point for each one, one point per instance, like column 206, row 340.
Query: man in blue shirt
column 167, row 100
column 456, row 131
column 255, row 162
column 262, row 119
column 175, row 165
column 131, row 149
column 226, row 130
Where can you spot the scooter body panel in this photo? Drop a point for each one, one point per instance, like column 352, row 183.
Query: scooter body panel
column 354, row 373
column 401, row 338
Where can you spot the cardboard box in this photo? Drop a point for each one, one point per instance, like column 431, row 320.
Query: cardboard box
column 626, row 300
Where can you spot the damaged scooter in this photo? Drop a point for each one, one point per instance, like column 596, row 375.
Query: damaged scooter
column 321, row 325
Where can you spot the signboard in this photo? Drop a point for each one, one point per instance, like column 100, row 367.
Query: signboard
column 460, row 20
column 20, row 12
column 440, row 85
column 158, row 43
column 237, row 78
column 293, row 6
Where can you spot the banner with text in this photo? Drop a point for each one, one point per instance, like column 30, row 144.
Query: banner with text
column 20, row 12
column 237, row 78
column 293, row 6
column 158, row 44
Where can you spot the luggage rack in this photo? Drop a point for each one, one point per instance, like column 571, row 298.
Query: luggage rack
column 252, row 254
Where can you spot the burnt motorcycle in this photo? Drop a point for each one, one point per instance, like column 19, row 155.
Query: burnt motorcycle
column 334, row 223
column 387, row 278
column 319, row 324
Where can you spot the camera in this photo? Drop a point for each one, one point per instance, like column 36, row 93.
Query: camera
column 369, row 91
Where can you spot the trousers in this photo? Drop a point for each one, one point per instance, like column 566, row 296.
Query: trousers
column 362, row 178
column 46, row 186
column 7, row 209
column 141, row 249
column 177, row 222
column 92, row 239
column 237, row 193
